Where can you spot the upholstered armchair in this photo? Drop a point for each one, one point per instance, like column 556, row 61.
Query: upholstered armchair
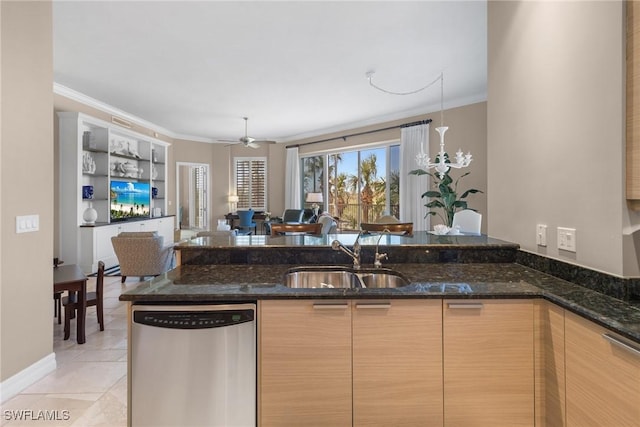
column 288, row 216
column 142, row 254
column 292, row 215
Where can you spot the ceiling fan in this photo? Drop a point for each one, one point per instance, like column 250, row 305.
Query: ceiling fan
column 246, row 140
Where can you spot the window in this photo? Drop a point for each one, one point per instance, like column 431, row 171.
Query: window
column 251, row 182
column 358, row 186
column 191, row 193
column 199, row 196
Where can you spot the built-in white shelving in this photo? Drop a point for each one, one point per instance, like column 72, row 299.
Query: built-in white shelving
column 93, row 153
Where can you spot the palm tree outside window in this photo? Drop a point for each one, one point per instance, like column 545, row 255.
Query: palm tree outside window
column 358, row 186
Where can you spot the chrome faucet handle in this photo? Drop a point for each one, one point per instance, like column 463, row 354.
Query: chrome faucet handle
column 354, row 254
column 357, row 248
column 378, row 261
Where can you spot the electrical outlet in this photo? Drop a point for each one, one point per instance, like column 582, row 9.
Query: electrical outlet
column 567, row 239
column 541, row 235
column 27, row 223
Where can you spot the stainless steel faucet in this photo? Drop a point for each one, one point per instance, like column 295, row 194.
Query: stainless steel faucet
column 355, row 253
column 377, row 263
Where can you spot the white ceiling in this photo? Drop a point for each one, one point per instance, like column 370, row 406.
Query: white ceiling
column 295, row 68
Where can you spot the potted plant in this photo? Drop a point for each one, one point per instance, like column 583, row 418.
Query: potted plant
column 446, row 195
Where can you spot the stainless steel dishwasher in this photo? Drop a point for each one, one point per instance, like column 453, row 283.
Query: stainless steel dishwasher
column 192, row 365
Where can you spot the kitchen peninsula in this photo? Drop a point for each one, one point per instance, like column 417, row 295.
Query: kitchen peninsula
column 491, row 341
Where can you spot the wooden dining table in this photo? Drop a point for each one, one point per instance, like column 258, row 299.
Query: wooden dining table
column 71, row 278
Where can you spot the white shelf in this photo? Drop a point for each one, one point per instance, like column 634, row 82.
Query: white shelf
column 95, row 152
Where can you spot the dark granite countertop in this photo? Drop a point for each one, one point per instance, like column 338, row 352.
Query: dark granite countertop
column 421, row 247
column 216, row 283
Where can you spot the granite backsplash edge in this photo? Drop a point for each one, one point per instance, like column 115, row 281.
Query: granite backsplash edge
column 625, row 289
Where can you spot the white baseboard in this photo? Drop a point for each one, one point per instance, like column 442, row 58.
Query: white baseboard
column 29, row 375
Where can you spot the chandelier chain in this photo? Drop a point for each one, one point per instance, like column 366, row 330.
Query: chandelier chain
column 442, row 162
column 390, row 92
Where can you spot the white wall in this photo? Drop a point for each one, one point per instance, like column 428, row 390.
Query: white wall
column 555, row 124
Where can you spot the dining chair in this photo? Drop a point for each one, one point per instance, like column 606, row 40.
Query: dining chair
column 467, row 221
column 405, row 228
column 313, row 228
column 57, row 296
column 329, row 224
column 213, row 233
column 93, row 299
column 57, row 306
column 245, row 218
column 387, row 219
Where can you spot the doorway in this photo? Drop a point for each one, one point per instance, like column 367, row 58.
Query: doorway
column 192, row 187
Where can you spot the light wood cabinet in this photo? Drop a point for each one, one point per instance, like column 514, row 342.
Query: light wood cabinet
column 305, row 363
column 549, row 365
column 343, row 363
column 602, row 376
column 633, row 105
column 397, row 363
column 488, row 363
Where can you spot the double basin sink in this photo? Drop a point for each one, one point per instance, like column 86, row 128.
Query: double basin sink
column 332, row 277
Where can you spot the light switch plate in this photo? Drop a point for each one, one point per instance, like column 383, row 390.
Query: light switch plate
column 27, row 223
column 541, row 235
column 567, row 239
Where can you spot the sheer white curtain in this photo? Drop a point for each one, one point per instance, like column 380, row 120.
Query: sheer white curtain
column 413, row 140
column 292, row 180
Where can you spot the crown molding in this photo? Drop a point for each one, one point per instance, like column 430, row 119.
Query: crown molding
column 74, row 95
column 109, row 109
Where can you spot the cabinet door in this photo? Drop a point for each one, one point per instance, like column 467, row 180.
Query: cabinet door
column 165, row 229
column 104, row 247
column 149, row 225
column 488, row 363
column 397, row 363
column 549, row 363
column 603, row 378
column 305, row 363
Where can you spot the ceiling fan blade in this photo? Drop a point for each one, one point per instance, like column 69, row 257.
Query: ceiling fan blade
column 246, row 140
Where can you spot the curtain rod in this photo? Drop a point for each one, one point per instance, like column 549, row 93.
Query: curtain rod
column 420, row 122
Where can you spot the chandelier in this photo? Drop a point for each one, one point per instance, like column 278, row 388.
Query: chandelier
column 442, row 162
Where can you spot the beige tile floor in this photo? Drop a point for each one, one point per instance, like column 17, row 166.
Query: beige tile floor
column 90, row 382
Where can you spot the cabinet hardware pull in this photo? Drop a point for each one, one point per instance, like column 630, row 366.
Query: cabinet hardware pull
column 620, row 343
column 330, row 306
column 473, row 306
column 384, row 305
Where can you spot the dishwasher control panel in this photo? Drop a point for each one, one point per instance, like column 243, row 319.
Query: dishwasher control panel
column 193, row 319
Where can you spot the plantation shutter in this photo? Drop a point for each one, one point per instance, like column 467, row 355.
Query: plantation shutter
column 199, row 195
column 251, row 183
